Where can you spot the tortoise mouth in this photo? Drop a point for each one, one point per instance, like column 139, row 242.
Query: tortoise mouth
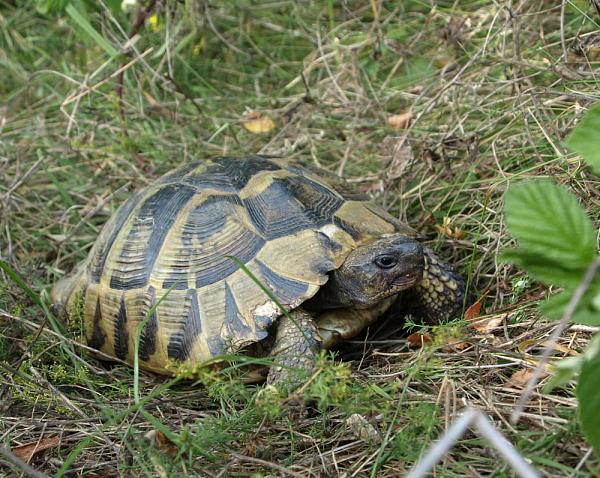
column 405, row 281
column 400, row 283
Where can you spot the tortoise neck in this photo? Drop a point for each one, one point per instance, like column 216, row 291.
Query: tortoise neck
column 330, row 296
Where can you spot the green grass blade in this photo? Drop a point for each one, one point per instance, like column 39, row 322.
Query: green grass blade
column 87, row 27
column 16, row 278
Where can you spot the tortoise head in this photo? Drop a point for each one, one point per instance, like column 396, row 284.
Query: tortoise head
column 373, row 272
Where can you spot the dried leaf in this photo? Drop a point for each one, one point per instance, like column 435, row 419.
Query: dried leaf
column 473, row 311
column 362, row 429
column 418, row 340
column 486, row 325
column 520, row 378
column 256, row 123
column 161, row 442
column 401, row 120
column 27, row 451
column 446, row 230
column 454, row 344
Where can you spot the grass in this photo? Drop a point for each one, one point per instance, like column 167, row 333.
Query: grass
column 492, row 96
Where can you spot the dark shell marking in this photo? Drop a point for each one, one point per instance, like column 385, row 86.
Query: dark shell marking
column 182, row 341
column 98, row 336
column 121, row 334
column 148, row 336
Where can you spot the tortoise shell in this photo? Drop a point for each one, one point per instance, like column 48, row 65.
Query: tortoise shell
column 167, row 257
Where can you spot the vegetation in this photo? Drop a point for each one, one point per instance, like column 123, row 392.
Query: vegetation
column 434, row 108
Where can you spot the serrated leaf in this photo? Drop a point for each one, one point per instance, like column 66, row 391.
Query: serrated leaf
column 547, row 220
column 564, row 371
column 585, row 314
column 588, row 396
column 544, row 269
column 585, row 138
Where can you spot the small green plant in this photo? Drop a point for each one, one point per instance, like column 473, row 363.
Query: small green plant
column 269, row 402
column 557, row 246
column 518, row 286
column 330, row 385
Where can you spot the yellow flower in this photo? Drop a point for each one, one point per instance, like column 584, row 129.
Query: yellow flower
column 198, row 47
column 154, row 22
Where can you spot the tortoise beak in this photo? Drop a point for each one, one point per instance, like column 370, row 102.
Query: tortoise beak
column 408, row 280
column 411, row 264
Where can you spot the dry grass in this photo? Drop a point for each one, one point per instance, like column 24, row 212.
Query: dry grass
column 493, row 89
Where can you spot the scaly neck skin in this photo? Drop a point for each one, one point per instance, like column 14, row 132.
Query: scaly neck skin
column 332, row 295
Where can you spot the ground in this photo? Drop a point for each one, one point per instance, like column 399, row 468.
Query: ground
column 434, row 108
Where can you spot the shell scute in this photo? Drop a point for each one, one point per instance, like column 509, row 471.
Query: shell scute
column 182, row 341
column 142, row 244
column 197, row 253
column 273, row 222
column 148, row 336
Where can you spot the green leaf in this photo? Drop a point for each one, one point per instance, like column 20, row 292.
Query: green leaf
column 586, row 312
column 585, row 138
column 87, row 27
column 547, row 220
column 544, row 269
column 588, row 396
column 563, row 372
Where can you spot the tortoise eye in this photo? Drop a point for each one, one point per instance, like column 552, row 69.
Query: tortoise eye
column 386, row 261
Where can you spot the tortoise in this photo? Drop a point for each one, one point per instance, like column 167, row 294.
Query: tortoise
column 183, row 256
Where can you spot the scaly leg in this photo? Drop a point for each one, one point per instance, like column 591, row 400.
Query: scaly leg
column 295, row 348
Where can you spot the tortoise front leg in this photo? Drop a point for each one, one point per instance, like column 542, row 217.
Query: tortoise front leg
column 296, row 346
column 441, row 293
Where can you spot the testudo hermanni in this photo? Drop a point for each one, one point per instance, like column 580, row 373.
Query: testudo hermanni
column 331, row 257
